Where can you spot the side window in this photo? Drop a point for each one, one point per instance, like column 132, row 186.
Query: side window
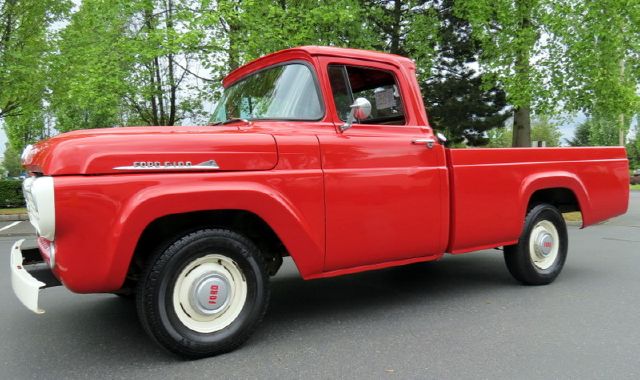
column 379, row 87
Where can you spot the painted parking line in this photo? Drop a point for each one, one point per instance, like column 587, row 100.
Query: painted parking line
column 10, row 225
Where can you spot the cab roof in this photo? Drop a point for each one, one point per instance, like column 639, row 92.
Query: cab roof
column 313, row 51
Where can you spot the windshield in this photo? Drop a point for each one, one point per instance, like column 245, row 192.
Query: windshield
column 283, row 92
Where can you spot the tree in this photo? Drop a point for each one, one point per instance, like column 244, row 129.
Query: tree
column 456, row 96
column 499, row 137
column 89, row 74
column 128, row 62
column 509, row 31
column 633, row 150
column 407, row 28
column 162, row 48
column 581, row 134
column 596, row 47
column 236, row 32
column 544, row 129
column 158, row 61
column 24, row 48
column 603, row 131
column 11, row 164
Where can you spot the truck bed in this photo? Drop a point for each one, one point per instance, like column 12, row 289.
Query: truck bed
column 491, row 189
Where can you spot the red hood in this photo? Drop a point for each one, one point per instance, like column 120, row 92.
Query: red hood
column 100, row 151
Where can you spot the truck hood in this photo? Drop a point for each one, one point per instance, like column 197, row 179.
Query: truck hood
column 157, row 149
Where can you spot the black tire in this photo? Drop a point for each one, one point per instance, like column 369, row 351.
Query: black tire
column 534, row 267
column 155, row 292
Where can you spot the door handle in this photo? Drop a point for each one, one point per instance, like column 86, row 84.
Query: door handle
column 427, row 142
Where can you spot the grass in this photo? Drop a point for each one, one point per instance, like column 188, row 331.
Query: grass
column 573, row 216
column 577, row 216
column 13, row 211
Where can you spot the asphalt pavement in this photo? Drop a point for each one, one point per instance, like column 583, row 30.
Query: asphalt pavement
column 462, row 317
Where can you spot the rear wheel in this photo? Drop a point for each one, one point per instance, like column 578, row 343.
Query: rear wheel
column 541, row 251
column 205, row 294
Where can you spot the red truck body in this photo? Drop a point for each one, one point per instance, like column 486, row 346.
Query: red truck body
column 338, row 202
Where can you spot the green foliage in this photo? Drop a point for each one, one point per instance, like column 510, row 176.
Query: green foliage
column 241, row 31
column 24, row 50
column 139, row 62
column 554, row 56
column 599, row 131
column 67, row 64
column 581, row 134
column 633, row 153
column 499, row 138
column 11, row 193
column 408, row 28
column 94, row 66
column 127, row 63
column 603, row 131
column 11, row 164
column 455, row 97
column 508, row 31
column 544, row 129
column 596, row 47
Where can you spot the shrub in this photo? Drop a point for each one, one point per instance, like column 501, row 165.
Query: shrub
column 11, row 193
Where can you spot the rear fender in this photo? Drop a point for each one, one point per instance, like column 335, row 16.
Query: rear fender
column 555, row 179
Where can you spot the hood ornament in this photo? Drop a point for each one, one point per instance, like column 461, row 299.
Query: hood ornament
column 170, row 165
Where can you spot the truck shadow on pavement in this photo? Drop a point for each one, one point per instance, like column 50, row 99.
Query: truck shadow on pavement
column 364, row 295
column 104, row 328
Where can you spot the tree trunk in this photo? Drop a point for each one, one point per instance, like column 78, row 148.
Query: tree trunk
column 154, row 106
column 148, row 15
column 172, row 80
column 522, row 127
column 396, row 29
column 8, row 26
column 522, row 115
column 160, row 94
column 4, row 47
column 234, row 56
column 621, row 134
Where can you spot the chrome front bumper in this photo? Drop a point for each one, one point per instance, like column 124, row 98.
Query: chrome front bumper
column 29, row 274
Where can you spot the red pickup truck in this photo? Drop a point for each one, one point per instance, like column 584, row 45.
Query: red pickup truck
column 321, row 154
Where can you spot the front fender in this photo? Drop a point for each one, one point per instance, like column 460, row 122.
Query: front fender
column 288, row 202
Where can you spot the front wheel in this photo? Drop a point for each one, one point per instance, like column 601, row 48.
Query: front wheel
column 540, row 254
column 205, row 294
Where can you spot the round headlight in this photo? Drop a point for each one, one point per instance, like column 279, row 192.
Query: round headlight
column 42, row 194
column 25, row 153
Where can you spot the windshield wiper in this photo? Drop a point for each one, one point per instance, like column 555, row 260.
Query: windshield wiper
column 230, row 121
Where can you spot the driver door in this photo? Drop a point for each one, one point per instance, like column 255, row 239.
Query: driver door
column 383, row 193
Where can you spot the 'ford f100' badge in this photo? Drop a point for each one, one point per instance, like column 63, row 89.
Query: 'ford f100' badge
column 170, row 165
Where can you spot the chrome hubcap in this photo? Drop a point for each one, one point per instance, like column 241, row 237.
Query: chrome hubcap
column 209, row 294
column 544, row 244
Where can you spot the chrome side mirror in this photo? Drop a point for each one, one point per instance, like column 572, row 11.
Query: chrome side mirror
column 360, row 109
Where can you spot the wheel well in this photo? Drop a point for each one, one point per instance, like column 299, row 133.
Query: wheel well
column 165, row 230
column 563, row 199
